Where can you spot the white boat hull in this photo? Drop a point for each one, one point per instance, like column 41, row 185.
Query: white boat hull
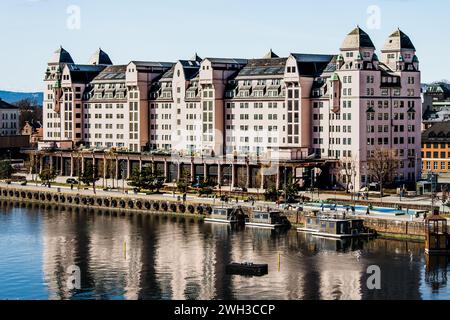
column 220, row 221
column 263, row 225
column 330, row 235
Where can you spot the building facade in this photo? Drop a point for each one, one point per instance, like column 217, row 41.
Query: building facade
column 340, row 107
column 436, row 104
column 436, row 151
column 9, row 119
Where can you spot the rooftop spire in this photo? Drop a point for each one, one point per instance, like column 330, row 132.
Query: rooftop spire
column 195, row 57
column 270, row 55
column 61, row 56
column 100, row 57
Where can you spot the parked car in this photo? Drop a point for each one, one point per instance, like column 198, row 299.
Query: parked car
column 71, row 181
column 205, row 191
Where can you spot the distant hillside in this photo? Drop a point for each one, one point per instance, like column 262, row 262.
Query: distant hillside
column 13, row 97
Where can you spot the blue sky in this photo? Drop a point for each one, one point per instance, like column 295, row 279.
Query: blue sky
column 168, row 30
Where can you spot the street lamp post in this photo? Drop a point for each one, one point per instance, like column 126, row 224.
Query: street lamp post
column 122, row 167
column 93, row 171
column 231, row 180
column 381, row 185
column 354, row 183
column 285, row 187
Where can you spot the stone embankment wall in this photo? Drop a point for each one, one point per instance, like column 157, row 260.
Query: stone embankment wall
column 113, row 202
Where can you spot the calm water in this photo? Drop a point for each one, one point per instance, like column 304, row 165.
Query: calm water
column 143, row 257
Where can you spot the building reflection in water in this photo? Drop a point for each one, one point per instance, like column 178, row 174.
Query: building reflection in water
column 436, row 272
column 160, row 257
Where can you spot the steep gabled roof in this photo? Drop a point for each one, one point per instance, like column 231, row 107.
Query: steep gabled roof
column 60, row 56
column 196, row 57
column 356, row 39
column 190, row 68
column 100, row 58
column 398, row 40
column 270, row 55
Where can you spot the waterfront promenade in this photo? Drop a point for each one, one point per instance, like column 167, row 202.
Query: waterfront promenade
column 215, row 201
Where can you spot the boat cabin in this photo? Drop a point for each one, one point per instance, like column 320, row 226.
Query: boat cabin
column 269, row 217
column 227, row 214
column 335, row 226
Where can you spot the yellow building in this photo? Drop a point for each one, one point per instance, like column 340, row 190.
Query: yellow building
column 436, row 151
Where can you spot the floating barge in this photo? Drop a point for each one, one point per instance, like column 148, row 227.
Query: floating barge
column 228, row 215
column 268, row 220
column 247, row 269
column 335, row 227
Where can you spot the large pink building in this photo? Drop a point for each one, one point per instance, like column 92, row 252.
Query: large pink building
column 339, row 108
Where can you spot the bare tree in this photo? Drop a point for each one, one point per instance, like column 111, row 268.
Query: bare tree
column 382, row 166
column 111, row 158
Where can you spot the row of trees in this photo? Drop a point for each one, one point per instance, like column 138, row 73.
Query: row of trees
column 146, row 179
column 288, row 192
column 381, row 166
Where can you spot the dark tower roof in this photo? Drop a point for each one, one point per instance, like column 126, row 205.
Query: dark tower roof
column 270, row 55
column 100, row 58
column 61, row 56
column 196, row 58
column 398, row 40
column 356, row 39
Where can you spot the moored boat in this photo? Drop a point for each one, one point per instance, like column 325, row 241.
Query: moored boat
column 335, row 227
column 228, row 215
column 267, row 219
